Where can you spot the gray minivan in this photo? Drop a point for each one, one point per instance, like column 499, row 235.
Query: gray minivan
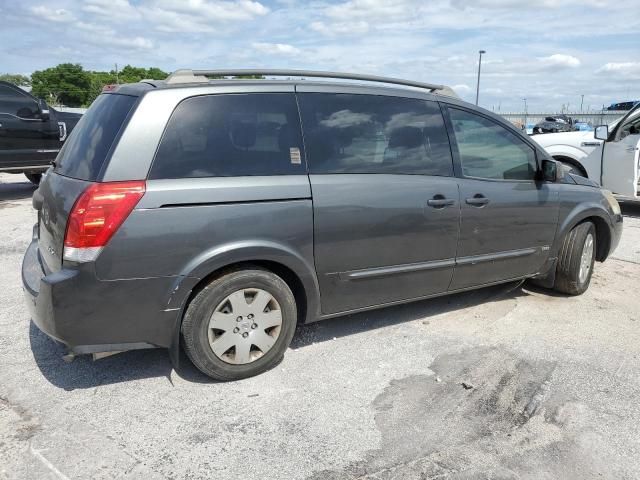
column 226, row 212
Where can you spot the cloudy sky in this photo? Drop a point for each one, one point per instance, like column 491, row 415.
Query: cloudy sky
column 549, row 51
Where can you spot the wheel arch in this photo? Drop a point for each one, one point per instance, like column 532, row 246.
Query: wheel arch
column 599, row 217
column 573, row 162
column 291, row 266
column 287, row 274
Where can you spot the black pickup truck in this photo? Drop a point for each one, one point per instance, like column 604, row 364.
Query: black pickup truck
column 31, row 133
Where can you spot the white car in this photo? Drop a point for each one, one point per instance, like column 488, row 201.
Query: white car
column 609, row 155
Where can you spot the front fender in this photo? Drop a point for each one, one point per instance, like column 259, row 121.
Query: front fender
column 224, row 255
column 567, row 151
column 577, row 214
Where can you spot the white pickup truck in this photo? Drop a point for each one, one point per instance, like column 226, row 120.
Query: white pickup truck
column 609, row 155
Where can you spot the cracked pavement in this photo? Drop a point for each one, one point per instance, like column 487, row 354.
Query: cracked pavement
column 554, row 383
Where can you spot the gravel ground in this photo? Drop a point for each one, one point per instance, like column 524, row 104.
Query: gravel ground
column 504, row 383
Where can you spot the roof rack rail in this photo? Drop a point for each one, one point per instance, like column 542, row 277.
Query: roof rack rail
column 200, row 76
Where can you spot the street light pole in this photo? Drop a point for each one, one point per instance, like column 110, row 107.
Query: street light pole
column 478, row 82
column 525, row 114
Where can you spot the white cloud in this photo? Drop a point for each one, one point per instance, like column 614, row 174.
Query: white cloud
column 276, row 48
column 340, row 28
column 183, row 16
column 540, row 50
column 379, row 9
column 560, row 60
column 461, row 89
column 52, row 14
column 111, row 10
column 628, row 70
column 517, row 4
column 209, row 11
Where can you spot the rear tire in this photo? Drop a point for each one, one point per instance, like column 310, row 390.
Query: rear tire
column 576, row 259
column 227, row 336
column 34, row 177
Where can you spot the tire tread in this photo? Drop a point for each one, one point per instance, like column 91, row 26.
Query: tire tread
column 569, row 260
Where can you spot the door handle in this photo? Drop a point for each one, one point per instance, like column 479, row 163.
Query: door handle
column 631, row 149
column 477, row 200
column 438, row 202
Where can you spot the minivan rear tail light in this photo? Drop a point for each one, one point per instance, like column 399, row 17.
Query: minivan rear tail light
column 96, row 216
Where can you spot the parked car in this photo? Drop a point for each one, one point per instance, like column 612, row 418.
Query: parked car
column 623, row 105
column 608, row 155
column 31, row 133
column 200, row 213
column 558, row 123
column 583, row 126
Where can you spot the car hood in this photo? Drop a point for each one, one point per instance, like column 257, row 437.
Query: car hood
column 569, row 138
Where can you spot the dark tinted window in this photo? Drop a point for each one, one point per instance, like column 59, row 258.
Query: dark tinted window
column 86, row 149
column 17, row 104
column 489, row 150
column 231, row 135
column 374, row 134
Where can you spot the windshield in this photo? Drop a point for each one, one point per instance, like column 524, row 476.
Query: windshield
column 87, row 148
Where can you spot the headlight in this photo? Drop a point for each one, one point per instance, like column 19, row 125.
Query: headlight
column 613, row 203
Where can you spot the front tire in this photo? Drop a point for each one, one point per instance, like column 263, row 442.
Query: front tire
column 240, row 324
column 34, row 177
column 576, row 259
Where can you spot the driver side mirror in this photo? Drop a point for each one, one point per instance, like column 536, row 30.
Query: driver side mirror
column 602, row 132
column 43, row 109
column 551, row 171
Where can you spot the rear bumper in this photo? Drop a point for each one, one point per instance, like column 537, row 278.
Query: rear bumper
column 89, row 315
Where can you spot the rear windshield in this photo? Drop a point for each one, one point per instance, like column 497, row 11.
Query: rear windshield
column 86, row 149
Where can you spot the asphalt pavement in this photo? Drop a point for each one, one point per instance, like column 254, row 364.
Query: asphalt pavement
column 508, row 382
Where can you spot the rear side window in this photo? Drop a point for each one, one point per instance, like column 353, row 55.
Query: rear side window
column 231, row 135
column 489, row 150
column 86, row 149
column 347, row 133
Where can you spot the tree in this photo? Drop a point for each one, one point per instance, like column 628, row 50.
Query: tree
column 130, row 74
column 68, row 82
column 16, row 79
column 98, row 81
column 71, row 85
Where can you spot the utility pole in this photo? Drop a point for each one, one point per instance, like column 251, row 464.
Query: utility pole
column 478, row 82
column 525, row 114
column 581, row 102
column 117, row 82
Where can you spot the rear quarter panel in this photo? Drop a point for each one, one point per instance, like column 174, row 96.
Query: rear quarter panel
column 187, row 229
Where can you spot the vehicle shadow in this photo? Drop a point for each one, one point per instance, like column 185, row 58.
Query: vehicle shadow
column 84, row 373
column 338, row 327
column 630, row 209
column 15, row 190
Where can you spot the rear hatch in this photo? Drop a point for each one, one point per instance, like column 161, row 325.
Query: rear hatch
column 79, row 164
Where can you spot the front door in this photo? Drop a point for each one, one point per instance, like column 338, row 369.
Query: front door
column 25, row 138
column 386, row 204
column 620, row 159
column 508, row 218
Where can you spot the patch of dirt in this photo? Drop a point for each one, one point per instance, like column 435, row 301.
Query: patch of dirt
column 22, row 425
column 505, row 422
